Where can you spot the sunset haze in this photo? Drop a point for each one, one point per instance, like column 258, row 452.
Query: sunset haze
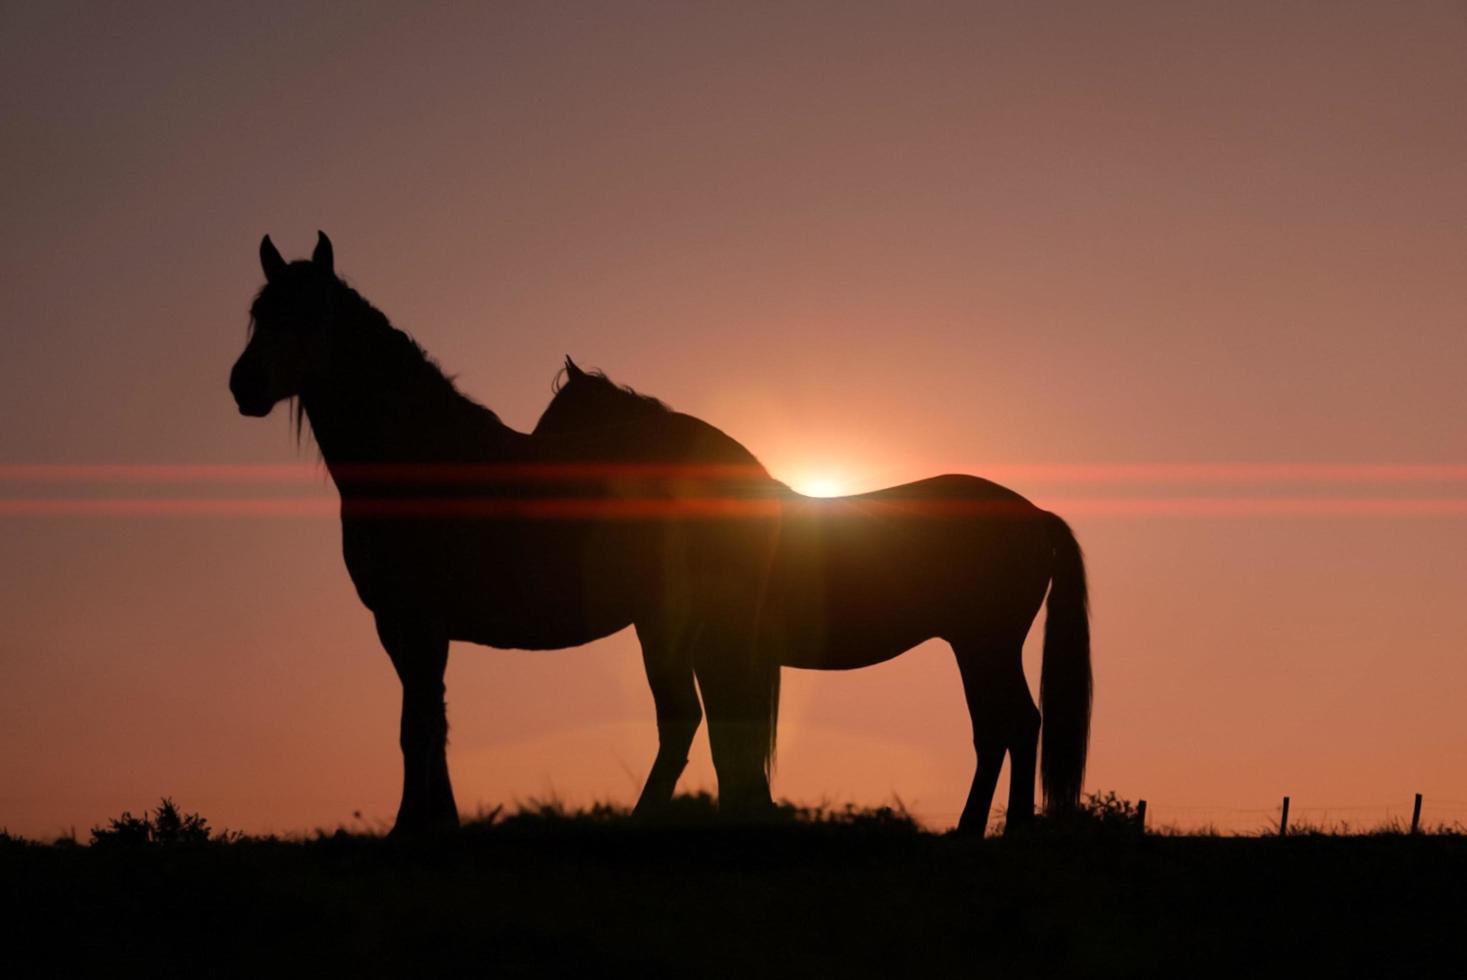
column 1192, row 276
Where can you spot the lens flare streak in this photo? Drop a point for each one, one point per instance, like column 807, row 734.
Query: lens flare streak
column 662, row 508
column 646, row 491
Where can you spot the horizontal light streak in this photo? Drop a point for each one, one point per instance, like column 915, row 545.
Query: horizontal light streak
column 1190, row 473
column 388, row 473
column 1231, row 472
column 735, row 491
column 653, row 508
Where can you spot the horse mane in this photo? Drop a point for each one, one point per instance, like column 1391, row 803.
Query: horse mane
column 623, row 395
column 400, row 346
column 389, row 348
column 589, row 399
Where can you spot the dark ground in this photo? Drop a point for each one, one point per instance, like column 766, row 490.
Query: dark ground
column 853, row 894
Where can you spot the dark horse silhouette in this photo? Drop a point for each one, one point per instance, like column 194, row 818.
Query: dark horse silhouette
column 617, row 511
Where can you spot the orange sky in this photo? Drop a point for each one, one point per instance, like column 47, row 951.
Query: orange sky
column 873, row 242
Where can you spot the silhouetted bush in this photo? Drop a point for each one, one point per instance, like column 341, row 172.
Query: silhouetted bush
column 168, row 826
column 1108, row 812
column 1098, row 815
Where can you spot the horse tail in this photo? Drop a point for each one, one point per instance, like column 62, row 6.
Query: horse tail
column 1065, row 681
column 769, row 666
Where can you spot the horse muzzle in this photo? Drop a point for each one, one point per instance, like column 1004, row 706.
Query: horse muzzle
column 255, row 410
column 245, row 390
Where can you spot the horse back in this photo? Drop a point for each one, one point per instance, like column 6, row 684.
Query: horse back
column 567, row 537
column 860, row 579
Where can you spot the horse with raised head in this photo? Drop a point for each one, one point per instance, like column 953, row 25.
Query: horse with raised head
column 617, row 511
column 457, row 527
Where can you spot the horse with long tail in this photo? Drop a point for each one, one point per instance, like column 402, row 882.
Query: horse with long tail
column 616, row 511
column 859, row 580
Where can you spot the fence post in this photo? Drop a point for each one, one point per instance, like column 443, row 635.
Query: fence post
column 1141, row 815
column 1284, row 819
column 1416, row 815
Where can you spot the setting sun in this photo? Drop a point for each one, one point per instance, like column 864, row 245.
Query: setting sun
column 821, row 485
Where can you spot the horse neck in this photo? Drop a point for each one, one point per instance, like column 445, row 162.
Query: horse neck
column 385, row 403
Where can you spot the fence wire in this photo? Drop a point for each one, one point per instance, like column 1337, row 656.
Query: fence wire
column 1304, row 816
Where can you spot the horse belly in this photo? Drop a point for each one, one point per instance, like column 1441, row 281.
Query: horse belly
column 523, row 587
column 835, row 612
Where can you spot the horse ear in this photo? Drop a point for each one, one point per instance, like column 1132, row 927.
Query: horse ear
column 270, row 259
column 323, row 255
column 571, row 369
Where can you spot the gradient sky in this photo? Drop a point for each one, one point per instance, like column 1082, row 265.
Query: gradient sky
column 874, row 242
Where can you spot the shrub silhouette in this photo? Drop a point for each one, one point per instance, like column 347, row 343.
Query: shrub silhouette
column 168, row 826
column 1098, row 815
column 1108, row 812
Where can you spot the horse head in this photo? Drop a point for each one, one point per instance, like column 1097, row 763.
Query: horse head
column 588, row 399
column 290, row 328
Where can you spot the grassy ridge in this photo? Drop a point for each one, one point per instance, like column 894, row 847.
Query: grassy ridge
column 819, row 893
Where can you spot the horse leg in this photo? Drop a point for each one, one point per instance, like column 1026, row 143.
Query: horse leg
column 1023, row 726
column 420, row 655
column 670, row 675
column 736, row 696
column 1005, row 720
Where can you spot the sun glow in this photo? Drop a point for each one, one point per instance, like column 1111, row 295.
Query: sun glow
column 821, row 485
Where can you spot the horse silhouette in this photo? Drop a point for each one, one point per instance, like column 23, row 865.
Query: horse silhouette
column 858, row 580
column 617, row 511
